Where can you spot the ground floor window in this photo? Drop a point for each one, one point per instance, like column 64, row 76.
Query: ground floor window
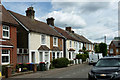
column 5, row 56
column 61, row 54
column 46, row 56
column 53, row 56
column 57, row 54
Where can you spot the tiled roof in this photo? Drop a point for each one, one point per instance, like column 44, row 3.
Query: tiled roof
column 65, row 33
column 56, row 49
column 7, row 43
column 74, row 36
column 6, row 17
column 43, row 47
column 35, row 25
column 71, row 49
column 80, row 50
column 116, row 43
column 83, row 39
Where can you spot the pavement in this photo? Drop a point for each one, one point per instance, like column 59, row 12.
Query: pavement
column 75, row 71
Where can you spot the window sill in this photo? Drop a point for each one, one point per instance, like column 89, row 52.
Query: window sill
column 6, row 38
column 5, row 63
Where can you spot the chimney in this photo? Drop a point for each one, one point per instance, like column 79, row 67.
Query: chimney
column 72, row 31
column 50, row 21
column 30, row 12
column 68, row 29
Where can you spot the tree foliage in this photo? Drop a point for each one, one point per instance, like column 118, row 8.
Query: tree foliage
column 96, row 48
column 103, row 48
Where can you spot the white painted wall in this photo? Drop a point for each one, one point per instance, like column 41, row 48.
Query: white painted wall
column 35, row 43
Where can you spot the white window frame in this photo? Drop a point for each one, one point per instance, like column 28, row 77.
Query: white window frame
column 79, row 45
column 58, row 54
column 74, row 44
column 5, row 63
column 43, row 43
column 117, row 50
column 89, row 46
column 56, row 41
column 53, row 56
column 7, row 31
column 111, row 51
column 70, row 43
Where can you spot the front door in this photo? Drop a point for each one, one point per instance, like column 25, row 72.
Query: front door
column 33, row 57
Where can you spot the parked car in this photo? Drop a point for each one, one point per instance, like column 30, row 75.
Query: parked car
column 94, row 57
column 107, row 68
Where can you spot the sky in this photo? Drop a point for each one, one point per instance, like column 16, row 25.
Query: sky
column 94, row 20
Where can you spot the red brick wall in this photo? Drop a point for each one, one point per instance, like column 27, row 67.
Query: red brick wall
column 13, row 41
column 113, row 47
column 60, row 44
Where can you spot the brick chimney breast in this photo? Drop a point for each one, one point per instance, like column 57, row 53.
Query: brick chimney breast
column 30, row 12
column 50, row 21
column 69, row 29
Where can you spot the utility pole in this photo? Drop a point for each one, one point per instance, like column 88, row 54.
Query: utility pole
column 104, row 39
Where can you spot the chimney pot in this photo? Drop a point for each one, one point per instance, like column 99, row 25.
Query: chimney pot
column 30, row 12
column 50, row 21
column 69, row 29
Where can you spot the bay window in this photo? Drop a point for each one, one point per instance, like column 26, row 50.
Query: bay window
column 5, row 57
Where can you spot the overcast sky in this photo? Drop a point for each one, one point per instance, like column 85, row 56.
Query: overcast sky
column 93, row 20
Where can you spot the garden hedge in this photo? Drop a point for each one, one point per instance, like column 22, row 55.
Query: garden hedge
column 60, row 62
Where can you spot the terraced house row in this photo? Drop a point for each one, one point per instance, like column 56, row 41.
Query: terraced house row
column 26, row 40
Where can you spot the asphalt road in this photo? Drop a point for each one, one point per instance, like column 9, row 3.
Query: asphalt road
column 75, row 71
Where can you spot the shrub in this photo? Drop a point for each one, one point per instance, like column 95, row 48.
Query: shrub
column 82, row 56
column 60, row 62
column 4, row 69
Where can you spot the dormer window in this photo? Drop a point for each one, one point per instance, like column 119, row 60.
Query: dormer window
column 43, row 39
column 6, row 32
column 55, row 41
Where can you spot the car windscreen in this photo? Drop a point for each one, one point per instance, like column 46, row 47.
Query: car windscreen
column 108, row 63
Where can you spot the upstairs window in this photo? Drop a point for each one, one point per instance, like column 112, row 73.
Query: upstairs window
column 74, row 44
column 111, row 51
column 79, row 45
column 55, row 41
column 43, row 39
column 70, row 43
column 6, row 32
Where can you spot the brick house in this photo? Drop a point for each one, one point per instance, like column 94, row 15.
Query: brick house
column 114, row 47
column 8, row 38
column 36, row 39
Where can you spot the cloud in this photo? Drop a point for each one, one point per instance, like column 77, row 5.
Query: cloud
column 97, row 33
column 84, row 7
column 94, row 6
column 63, row 19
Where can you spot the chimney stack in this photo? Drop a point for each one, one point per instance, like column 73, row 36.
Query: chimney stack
column 50, row 21
column 30, row 12
column 69, row 29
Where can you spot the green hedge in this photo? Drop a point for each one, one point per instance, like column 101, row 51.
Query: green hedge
column 82, row 56
column 60, row 62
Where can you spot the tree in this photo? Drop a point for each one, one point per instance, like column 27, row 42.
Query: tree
column 84, row 49
column 103, row 48
column 96, row 48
